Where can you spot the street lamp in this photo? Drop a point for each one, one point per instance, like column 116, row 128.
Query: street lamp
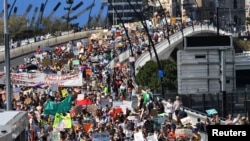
column 67, row 18
column 7, row 57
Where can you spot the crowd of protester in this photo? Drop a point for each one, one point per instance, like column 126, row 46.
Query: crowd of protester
column 138, row 114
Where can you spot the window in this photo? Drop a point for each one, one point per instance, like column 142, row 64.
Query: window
column 235, row 4
column 200, row 56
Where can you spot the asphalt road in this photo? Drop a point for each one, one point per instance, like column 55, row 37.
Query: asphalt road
column 14, row 62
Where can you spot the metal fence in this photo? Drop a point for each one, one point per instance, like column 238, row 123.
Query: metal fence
column 237, row 102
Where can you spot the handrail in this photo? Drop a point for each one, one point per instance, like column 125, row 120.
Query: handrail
column 160, row 47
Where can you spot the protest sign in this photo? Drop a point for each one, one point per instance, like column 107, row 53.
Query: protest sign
column 56, row 136
column 32, row 79
column 116, row 103
column 104, row 136
column 183, row 132
column 105, row 102
column 152, row 138
column 138, row 136
column 92, row 108
column 186, row 120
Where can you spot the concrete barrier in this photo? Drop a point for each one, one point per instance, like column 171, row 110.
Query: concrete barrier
column 29, row 48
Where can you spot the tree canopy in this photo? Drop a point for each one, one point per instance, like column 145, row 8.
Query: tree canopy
column 147, row 75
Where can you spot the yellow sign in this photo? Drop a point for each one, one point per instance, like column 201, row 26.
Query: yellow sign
column 173, row 20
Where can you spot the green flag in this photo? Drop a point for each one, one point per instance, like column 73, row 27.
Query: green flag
column 51, row 107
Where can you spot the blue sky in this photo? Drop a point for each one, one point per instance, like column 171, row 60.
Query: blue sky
column 22, row 5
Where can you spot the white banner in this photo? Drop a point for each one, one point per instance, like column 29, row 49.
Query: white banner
column 32, row 79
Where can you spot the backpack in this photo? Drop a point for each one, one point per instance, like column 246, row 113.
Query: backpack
column 200, row 126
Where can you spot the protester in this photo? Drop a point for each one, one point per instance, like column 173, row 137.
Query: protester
column 102, row 105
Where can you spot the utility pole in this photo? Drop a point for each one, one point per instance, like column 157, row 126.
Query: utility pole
column 12, row 6
column 7, row 57
column 68, row 19
column 90, row 18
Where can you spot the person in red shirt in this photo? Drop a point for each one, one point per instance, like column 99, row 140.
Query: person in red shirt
column 113, row 114
column 171, row 134
column 38, row 50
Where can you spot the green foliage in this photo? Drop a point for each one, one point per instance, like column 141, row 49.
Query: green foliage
column 148, row 75
column 247, row 21
column 19, row 27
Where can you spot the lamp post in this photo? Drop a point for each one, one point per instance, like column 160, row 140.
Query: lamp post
column 90, row 19
column 152, row 44
column 12, row 6
column 70, row 2
column 7, row 57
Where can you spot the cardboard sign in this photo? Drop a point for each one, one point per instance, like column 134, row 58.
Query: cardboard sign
column 92, row 108
column 56, row 136
column 116, row 103
column 152, row 138
column 64, row 92
column 138, row 136
column 132, row 118
column 46, row 62
column 183, row 132
column 186, row 120
column 75, row 62
column 80, row 97
column 27, row 101
column 87, row 126
column 16, row 95
column 104, row 102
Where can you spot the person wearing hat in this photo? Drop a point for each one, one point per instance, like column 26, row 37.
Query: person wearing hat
column 243, row 121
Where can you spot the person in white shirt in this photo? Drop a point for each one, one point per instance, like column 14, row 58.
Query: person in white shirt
column 236, row 120
column 169, row 108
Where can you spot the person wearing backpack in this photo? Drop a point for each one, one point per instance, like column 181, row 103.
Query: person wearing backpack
column 200, row 125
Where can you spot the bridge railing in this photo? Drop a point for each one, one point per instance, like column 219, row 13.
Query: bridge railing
column 174, row 40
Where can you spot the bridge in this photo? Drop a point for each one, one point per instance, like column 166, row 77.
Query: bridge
column 25, row 49
column 164, row 50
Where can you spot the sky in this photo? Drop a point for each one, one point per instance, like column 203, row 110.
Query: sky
column 82, row 19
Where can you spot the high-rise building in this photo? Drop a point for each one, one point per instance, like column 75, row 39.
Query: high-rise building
column 124, row 10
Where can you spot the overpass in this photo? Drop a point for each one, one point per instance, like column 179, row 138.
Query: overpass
column 31, row 47
column 164, row 50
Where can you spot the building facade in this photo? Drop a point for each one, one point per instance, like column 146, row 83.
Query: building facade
column 124, row 10
column 230, row 12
